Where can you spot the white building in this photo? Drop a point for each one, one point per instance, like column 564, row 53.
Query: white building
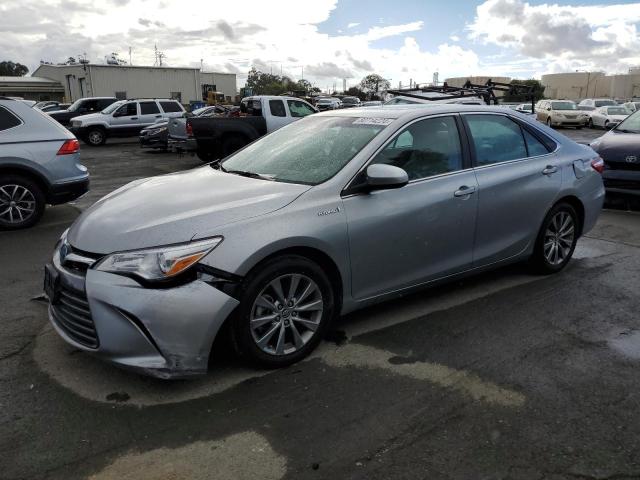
column 579, row 85
column 126, row 81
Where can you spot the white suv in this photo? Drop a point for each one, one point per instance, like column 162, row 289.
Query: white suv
column 124, row 119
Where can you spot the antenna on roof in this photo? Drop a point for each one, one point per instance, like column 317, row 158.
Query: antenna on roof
column 158, row 55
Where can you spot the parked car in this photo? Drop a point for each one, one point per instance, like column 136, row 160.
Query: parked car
column 328, row 103
column 335, row 212
column 632, row 106
column 82, row 106
column 607, row 117
column 372, row 103
column 620, row 150
column 218, row 137
column 350, row 102
column 597, row 102
column 179, row 140
column 55, row 108
column 525, row 108
column 155, row 136
column 560, row 113
column 39, row 165
column 125, row 118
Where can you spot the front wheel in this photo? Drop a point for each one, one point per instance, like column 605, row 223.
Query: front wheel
column 556, row 240
column 590, row 124
column 96, row 137
column 285, row 309
column 22, row 202
column 549, row 122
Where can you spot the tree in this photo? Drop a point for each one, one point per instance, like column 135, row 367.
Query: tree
column 538, row 91
column 374, row 83
column 11, row 69
column 356, row 92
column 268, row 84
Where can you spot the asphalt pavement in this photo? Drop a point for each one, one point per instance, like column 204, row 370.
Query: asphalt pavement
column 507, row 375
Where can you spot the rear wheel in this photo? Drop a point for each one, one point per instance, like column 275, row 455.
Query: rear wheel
column 96, row 137
column 556, row 240
column 22, row 202
column 549, row 122
column 232, row 144
column 205, row 155
column 590, row 124
column 285, row 309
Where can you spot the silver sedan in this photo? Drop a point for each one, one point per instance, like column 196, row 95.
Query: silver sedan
column 327, row 215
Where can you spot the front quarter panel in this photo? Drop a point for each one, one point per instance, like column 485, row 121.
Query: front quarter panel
column 312, row 221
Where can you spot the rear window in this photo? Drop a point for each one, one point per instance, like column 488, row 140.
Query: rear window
column 149, row 108
column 8, row 119
column 277, row 108
column 170, row 107
column 604, row 103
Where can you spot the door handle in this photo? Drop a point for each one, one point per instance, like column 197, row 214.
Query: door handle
column 158, row 116
column 549, row 169
column 134, row 118
column 463, row 191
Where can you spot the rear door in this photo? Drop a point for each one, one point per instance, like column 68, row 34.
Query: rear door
column 276, row 115
column 149, row 113
column 518, row 178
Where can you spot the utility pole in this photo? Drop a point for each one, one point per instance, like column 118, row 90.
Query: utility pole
column 130, row 62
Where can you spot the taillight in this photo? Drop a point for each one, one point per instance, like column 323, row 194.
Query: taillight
column 597, row 164
column 189, row 129
column 69, row 147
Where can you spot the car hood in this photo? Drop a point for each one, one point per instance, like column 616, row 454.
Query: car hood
column 618, row 118
column 176, row 208
column 89, row 117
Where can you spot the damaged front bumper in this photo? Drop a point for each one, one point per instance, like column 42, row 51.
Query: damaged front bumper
column 161, row 332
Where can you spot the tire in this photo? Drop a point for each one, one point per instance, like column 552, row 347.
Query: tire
column 545, row 259
column 96, row 137
column 549, row 122
column 579, row 127
column 206, row 156
column 590, row 124
column 606, row 125
column 232, row 144
column 277, row 315
column 20, row 197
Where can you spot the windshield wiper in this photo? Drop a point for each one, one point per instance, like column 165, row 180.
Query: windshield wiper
column 242, row 173
column 626, row 131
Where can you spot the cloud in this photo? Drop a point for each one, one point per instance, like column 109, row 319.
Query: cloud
column 594, row 37
column 454, row 38
column 353, row 24
column 328, row 70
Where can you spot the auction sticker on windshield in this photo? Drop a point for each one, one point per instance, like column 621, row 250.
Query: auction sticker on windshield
column 372, row 121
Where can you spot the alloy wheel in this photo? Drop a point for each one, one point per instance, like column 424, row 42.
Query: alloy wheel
column 286, row 314
column 17, row 203
column 95, row 137
column 558, row 238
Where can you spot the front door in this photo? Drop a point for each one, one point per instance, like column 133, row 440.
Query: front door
column 125, row 120
column 518, row 180
column 420, row 232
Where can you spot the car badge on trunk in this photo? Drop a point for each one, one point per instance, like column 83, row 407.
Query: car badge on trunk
column 631, row 159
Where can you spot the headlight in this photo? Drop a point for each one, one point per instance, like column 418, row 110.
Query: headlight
column 160, row 263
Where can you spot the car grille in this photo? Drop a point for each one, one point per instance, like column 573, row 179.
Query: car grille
column 76, row 261
column 72, row 314
column 570, row 117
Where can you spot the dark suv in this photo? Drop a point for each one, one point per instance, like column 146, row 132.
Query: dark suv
column 82, row 106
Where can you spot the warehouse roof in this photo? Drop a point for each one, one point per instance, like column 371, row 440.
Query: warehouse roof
column 23, row 80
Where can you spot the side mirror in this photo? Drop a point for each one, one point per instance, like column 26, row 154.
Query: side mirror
column 380, row 176
column 117, row 114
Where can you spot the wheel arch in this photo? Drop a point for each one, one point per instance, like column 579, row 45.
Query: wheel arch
column 30, row 173
column 577, row 205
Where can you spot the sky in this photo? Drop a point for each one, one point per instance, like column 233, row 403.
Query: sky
column 328, row 41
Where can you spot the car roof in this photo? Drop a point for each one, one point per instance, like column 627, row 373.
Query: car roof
column 409, row 111
column 273, row 97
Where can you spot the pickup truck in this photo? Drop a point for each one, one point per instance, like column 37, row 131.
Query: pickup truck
column 219, row 137
column 82, row 107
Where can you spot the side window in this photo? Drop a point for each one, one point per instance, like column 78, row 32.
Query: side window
column 534, row 146
column 149, row 108
column 104, row 103
column 7, row 119
column 299, row 109
column 425, row 148
column 277, row 108
column 128, row 110
column 496, row 139
column 91, row 105
column 170, row 107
